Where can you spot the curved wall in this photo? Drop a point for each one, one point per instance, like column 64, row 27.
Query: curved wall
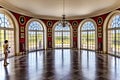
column 49, row 24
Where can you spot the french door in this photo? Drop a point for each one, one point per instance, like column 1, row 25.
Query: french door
column 6, row 33
column 88, row 36
column 62, row 37
column 88, row 40
column 113, row 36
column 35, row 36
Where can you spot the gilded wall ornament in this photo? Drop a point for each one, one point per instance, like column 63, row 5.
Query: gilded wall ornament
column 22, row 20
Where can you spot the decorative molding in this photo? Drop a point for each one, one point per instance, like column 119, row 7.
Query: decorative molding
column 99, row 35
column 13, row 8
column 100, row 20
column 99, row 29
column 21, row 29
column 74, row 23
column 22, row 20
column 74, row 29
column 49, row 34
column 22, row 35
column 49, row 29
column 49, row 23
column 74, row 34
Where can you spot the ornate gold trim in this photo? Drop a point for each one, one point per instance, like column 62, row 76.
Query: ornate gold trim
column 22, row 20
column 100, row 20
column 49, row 23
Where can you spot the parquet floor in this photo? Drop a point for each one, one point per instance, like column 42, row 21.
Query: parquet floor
column 61, row 64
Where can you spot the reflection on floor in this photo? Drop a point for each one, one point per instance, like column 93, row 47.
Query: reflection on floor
column 61, row 64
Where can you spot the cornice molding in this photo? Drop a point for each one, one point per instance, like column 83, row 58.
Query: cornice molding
column 12, row 8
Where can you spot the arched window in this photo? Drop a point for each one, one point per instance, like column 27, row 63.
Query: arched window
column 113, row 39
column 6, row 33
column 88, row 36
column 35, row 36
column 62, row 36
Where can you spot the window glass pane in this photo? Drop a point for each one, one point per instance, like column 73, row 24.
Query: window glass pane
column 88, row 26
column 5, row 21
column 1, row 43
column 84, row 40
column 118, row 42
column 40, row 40
column 91, row 40
column 115, row 21
column 58, row 39
column 66, row 39
column 35, row 26
column 10, row 38
column 59, row 27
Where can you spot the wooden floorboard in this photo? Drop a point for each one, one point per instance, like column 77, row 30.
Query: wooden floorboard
column 61, row 64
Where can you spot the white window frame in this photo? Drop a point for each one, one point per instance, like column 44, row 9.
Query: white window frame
column 44, row 33
column 107, row 23
column 16, row 29
column 79, row 32
column 53, row 35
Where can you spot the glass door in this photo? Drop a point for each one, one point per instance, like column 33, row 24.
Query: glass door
column 62, row 36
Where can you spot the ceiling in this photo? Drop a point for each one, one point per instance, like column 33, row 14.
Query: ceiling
column 53, row 9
